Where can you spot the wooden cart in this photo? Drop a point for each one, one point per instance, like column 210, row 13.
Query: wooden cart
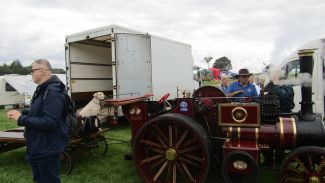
column 95, row 143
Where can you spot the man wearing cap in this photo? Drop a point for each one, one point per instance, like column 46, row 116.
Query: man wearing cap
column 242, row 87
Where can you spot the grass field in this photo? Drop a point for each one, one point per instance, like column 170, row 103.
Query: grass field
column 111, row 168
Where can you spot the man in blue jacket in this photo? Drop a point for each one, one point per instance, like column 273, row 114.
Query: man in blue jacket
column 46, row 132
column 242, row 89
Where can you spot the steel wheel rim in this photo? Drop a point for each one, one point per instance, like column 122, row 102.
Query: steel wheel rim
column 65, row 164
column 99, row 146
column 306, row 166
column 180, row 155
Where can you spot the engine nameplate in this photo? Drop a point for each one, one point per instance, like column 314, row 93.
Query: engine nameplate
column 239, row 114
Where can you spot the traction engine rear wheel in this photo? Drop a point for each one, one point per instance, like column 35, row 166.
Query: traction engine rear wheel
column 172, row 148
column 304, row 164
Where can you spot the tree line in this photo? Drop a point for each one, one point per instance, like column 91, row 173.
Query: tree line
column 222, row 63
column 15, row 67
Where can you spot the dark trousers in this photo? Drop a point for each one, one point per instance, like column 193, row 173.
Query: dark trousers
column 46, row 169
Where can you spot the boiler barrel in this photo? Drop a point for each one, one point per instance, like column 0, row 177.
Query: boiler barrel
column 311, row 133
column 286, row 134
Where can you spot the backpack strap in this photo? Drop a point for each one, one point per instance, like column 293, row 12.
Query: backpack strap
column 45, row 94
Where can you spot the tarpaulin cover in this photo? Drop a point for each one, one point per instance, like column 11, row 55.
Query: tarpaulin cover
column 215, row 72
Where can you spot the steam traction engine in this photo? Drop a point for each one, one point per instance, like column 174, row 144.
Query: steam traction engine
column 176, row 140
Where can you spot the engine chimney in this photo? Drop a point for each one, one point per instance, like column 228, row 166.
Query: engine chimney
column 306, row 62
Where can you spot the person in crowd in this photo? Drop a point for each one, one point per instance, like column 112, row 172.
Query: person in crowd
column 242, row 89
column 284, row 92
column 224, row 83
column 251, row 79
column 46, row 131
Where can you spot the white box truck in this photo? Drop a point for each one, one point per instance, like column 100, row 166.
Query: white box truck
column 121, row 61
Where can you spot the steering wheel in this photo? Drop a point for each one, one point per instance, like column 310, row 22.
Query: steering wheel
column 163, row 98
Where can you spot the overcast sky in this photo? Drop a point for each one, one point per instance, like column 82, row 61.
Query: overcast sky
column 247, row 32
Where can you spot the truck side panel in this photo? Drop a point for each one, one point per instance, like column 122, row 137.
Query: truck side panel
column 133, row 64
column 172, row 64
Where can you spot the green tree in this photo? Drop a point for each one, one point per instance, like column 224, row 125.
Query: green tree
column 58, row 71
column 5, row 69
column 222, row 63
column 15, row 67
column 208, row 60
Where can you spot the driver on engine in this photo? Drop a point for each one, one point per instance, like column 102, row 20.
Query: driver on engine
column 242, row 89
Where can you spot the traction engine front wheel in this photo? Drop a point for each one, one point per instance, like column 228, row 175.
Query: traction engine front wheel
column 240, row 167
column 304, row 165
column 172, row 148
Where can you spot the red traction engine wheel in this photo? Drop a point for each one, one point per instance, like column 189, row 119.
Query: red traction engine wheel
column 172, row 148
column 304, row 165
column 239, row 166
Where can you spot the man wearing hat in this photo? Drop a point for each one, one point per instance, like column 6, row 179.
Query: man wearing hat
column 242, row 87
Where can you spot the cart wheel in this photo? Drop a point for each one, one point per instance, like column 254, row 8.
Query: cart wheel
column 172, row 148
column 99, row 146
column 66, row 164
column 239, row 166
column 304, row 164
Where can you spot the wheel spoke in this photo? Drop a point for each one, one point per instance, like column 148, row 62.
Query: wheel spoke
column 194, row 158
column 156, row 150
column 169, row 170
column 158, row 163
column 99, row 146
column 161, row 134
column 160, row 140
column 160, row 171
column 152, row 144
column 189, row 149
column 188, row 173
column 180, row 169
column 294, row 171
column 150, row 159
column 294, row 180
column 197, row 165
column 170, row 129
column 175, row 133
column 319, row 170
column 182, row 138
column 189, row 142
column 301, row 164
column 310, row 161
column 174, row 173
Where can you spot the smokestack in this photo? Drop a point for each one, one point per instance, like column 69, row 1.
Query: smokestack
column 306, row 62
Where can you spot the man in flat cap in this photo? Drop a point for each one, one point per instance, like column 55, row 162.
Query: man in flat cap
column 242, row 87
